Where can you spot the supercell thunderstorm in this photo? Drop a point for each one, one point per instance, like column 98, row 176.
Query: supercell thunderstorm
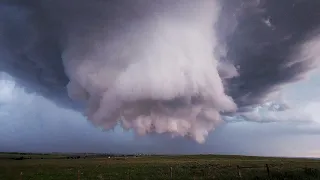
column 161, row 66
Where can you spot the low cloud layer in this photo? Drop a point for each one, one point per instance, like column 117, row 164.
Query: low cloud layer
column 42, row 126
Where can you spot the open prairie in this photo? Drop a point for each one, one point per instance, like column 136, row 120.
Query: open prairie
column 14, row 166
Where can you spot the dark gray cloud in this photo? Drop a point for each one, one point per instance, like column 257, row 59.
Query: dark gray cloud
column 30, row 51
column 263, row 42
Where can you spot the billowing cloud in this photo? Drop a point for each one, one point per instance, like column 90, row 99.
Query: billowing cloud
column 158, row 66
column 42, row 126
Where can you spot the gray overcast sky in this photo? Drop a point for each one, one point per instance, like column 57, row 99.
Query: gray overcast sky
column 31, row 123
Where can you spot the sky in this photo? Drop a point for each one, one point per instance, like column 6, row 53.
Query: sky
column 162, row 82
column 32, row 123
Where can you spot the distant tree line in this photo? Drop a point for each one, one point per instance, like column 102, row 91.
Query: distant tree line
column 24, row 156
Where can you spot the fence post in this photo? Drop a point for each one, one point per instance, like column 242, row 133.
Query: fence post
column 239, row 172
column 21, row 173
column 128, row 175
column 268, row 170
column 78, row 174
column 171, row 172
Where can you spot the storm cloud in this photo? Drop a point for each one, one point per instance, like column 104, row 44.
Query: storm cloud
column 161, row 66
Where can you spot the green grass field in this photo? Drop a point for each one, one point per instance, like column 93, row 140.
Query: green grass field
column 48, row 167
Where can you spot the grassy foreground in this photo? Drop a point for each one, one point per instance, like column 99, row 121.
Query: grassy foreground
column 62, row 167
